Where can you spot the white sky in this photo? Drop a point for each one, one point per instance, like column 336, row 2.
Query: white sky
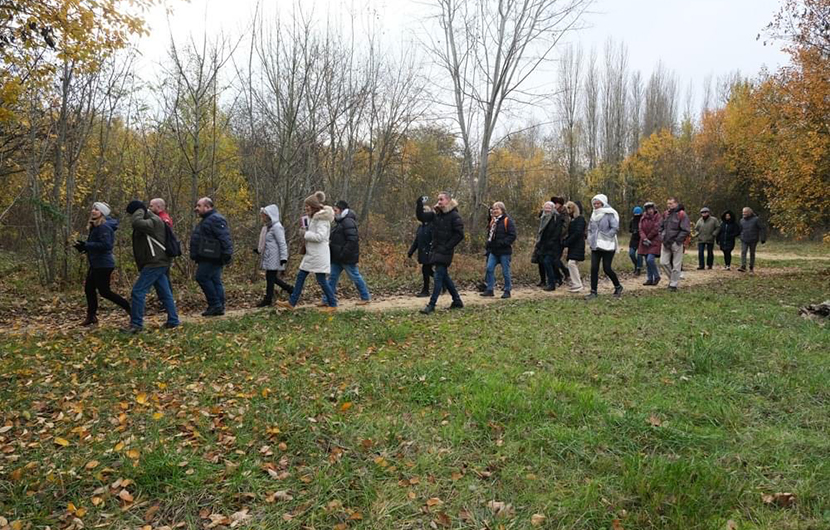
column 693, row 38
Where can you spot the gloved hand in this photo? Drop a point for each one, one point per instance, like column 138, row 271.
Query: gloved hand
column 80, row 246
column 255, row 250
column 764, row 242
column 283, row 261
column 647, row 242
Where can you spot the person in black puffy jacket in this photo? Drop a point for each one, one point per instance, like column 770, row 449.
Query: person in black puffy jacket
column 447, row 233
column 423, row 245
column 344, row 245
column 212, row 231
column 729, row 231
column 501, row 235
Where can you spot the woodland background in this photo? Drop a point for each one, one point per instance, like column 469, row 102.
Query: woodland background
column 293, row 106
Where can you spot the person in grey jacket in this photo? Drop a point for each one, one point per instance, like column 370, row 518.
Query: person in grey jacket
column 673, row 231
column 273, row 252
column 752, row 231
column 602, row 238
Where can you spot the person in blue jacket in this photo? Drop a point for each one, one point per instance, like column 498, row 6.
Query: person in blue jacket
column 98, row 248
column 211, row 248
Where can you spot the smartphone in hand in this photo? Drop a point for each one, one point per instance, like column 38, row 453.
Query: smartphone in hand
column 304, row 222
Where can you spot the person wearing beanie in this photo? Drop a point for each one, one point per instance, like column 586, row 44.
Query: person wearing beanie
column 316, row 229
column 98, row 248
column 273, row 252
column 602, row 238
column 650, row 242
column 674, row 230
column 211, row 248
column 447, row 233
column 707, row 229
column 344, row 248
column 634, row 241
column 149, row 251
column 501, row 235
column 423, row 244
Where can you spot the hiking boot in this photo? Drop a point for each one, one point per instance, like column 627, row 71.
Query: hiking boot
column 423, row 294
column 328, row 309
column 656, row 281
column 618, row 291
column 648, row 282
column 90, row 321
column 457, row 304
column 741, row 269
column 481, row 287
column 487, row 293
column 592, row 296
column 505, row 294
column 321, row 304
column 213, row 311
column 637, row 272
column 265, row 302
column 132, row 330
column 282, row 304
column 701, row 268
column 429, row 308
column 550, row 288
column 168, row 325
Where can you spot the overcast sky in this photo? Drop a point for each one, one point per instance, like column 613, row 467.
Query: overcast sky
column 693, row 38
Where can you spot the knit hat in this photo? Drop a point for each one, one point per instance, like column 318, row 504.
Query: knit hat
column 705, row 209
column 135, row 205
column 638, row 210
column 648, row 205
column 341, row 204
column 557, row 200
column 102, row 207
column 316, row 200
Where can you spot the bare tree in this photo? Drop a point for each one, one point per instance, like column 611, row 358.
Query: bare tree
column 660, row 110
column 591, row 109
column 635, row 109
column 570, row 72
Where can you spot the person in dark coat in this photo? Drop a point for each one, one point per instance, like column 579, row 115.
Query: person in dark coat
column 565, row 218
column 674, row 230
column 651, row 242
column 575, row 243
column 535, row 258
column 752, row 231
column 549, row 244
column 634, row 241
column 729, row 231
column 447, row 233
column 423, row 245
column 212, row 231
column 98, row 248
column 501, row 235
column 344, row 245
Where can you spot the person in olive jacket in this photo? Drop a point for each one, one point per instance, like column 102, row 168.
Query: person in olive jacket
column 752, row 231
column 149, row 239
column 344, row 245
column 423, row 245
column 98, row 248
column 575, row 243
column 211, row 248
column 447, row 233
column 707, row 229
column 729, row 231
column 501, row 235
column 651, row 242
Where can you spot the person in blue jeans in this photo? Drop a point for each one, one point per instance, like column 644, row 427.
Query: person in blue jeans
column 211, row 248
column 344, row 249
column 149, row 238
column 447, row 233
column 500, row 237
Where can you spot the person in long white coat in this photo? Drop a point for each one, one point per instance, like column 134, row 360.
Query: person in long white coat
column 317, row 259
column 273, row 251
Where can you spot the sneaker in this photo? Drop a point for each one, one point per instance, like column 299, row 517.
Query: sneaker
column 132, row 330
column 168, row 325
column 213, row 311
column 282, row 304
column 487, row 293
column 423, row 294
column 672, row 289
column 648, row 282
column 741, row 269
column 457, row 304
column 264, row 303
column 505, row 294
column 656, row 281
column 709, row 267
column 362, row 302
column 550, row 288
column 728, row 268
column 90, row 321
column 428, row 309
column 618, row 291
column 637, row 272
column 591, row 296
column 321, row 304
column 701, row 268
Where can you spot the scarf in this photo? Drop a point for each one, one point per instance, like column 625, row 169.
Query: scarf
column 262, row 234
column 599, row 213
column 493, row 224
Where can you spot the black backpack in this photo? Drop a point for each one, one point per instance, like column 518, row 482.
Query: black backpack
column 172, row 247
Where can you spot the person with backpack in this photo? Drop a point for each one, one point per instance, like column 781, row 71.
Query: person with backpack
column 707, row 229
column 344, row 246
column 674, row 230
column 501, row 235
column 752, row 231
column 273, row 252
column 602, row 238
column 575, row 243
column 447, row 233
column 650, row 242
column 729, row 231
column 149, row 244
column 211, row 248
column 422, row 244
column 634, row 241
column 98, row 248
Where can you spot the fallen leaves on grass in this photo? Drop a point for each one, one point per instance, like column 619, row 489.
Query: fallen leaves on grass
column 537, row 519
column 501, row 509
column 655, row 421
column 782, row 500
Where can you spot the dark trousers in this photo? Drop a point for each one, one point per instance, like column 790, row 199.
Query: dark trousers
column 209, row 278
column 443, row 281
column 273, row 278
column 551, row 271
column 542, row 273
column 748, row 247
column 98, row 282
column 727, row 257
column 426, row 271
column 606, row 257
column 709, row 248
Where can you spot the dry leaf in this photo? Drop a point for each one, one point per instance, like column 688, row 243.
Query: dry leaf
column 443, row 519
column 97, row 500
column 133, row 454
column 434, row 501
column 92, row 464
column 731, row 525
column 501, row 509
column 141, row 398
column 239, row 517
column 345, row 406
column 356, row 516
column 151, row 513
column 782, row 500
column 537, row 519
column 125, row 496
column 61, row 441
column 3, row 521
column 655, row 421
column 616, row 525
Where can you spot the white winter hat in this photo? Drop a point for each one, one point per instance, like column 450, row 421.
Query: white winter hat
column 102, row 207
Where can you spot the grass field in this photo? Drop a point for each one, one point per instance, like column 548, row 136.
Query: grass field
column 694, row 411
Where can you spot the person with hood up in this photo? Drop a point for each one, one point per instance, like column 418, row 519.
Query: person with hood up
column 752, row 231
column 729, row 231
column 501, row 235
column 149, row 239
column 98, row 248
column 345, row 251
column 447, row 233
column 674, row 230
column 575, row 243
column 602, row 238
column 423, row 245
column 634, row 242
column 650, row 242
column 273, row 252
column 707, row 229
column 316, row 229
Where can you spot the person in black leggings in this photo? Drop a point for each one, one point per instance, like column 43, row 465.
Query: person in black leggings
column 98, row 248
column 602, row 238
column 273, row 251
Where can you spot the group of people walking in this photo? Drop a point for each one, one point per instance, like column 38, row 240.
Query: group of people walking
column 330, row 246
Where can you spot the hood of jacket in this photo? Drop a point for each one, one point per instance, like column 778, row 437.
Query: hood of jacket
column 731, row 215
column 273, row 213
column 326, row 214
column 450, row 207
column 112, row 223
column 345, row 214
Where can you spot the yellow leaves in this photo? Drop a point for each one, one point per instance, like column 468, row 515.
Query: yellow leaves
column 133, row 454
column 158, row 415
column 92, row 464
column 63, row 442
column 537, row 519
column 434, row 501
column 345, row 406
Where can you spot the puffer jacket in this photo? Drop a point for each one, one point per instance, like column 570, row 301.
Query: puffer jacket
column 213, row 225
column 607, row 227
column 149, row 235
column 447, row 231
column 753, row 230
column 550, row 235
column 503, row 237
column 317, row 257
column 276, row 248
column 576, row 239
column 650, row 230
column 345, row 241
column 422, row 243
column 100, row 243
column 729, row 230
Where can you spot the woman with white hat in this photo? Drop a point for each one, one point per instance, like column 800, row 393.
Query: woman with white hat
column 602, row 238
column 98, row 248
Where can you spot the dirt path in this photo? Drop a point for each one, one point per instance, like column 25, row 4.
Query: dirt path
column 773, row 256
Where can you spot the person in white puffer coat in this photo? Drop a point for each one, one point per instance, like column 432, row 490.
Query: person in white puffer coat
column 317, row 259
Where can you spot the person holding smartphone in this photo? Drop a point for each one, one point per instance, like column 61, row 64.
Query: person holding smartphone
column 447, row 233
